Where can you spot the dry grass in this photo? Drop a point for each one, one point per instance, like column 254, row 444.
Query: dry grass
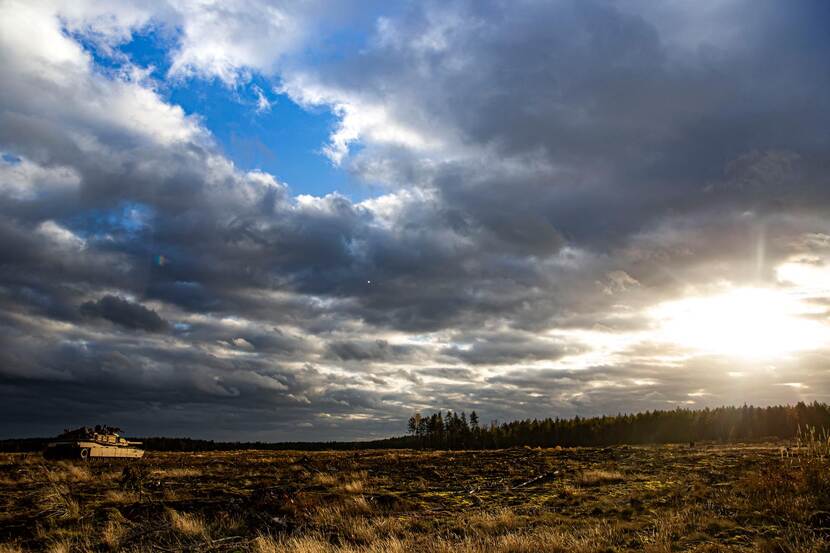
column 601, row 500
column 305, row 544
column 324, row 479
column 336, row 515
column 76, row 543
column 359, row 504
column 60, row 546
column 352, row 482
column 599, row 477
column 188, row 524
column 10, row 548
column 813, row 443
column 353, row 486
column 121, row 497
column 56, row 503
column 67, row 471
column 496, row 522
column 357, row 530
column 171, row 495
column 112, row 533
column 318, row 544
column 114, row 530
column 176, row 473
column 78, row 473
column 594, row 540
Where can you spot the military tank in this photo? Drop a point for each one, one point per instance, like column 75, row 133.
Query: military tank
column 88, row 442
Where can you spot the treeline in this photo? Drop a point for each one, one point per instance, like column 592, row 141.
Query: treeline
column 457, row 430
column 20, row 445
column 190, row 444
column 453, row 430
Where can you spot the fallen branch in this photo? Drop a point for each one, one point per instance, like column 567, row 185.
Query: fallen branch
column 226, row 541
column 542, row 477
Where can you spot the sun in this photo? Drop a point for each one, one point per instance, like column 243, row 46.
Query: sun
column 752, row 323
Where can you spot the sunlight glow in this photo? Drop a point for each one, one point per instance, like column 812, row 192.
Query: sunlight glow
column 809, row 275
column 750, row 323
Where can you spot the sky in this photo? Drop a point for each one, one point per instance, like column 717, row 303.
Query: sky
column 307, row 220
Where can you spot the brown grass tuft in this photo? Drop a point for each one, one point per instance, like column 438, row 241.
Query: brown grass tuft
column 324, row 479
column 600, row 477
column 353, row 486
column 60, row 546
column 56, row 503
column 121, row 497
column 188, row 524
column 67, row 471
column 70, row 544
column 496, row 522
column 112, row 533
column 176, row 473
column 78, row 473
column 302, row 544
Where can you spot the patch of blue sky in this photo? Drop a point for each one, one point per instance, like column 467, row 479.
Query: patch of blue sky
column 126, row 221
column 151, row 47
column 281, row 138
column 10, row 159
column 284, row 139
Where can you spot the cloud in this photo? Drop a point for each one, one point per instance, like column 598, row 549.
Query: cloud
column 263, row 104
column 548, row 173
column 597, row 128
column 377, row 350
column 228, row 40
column 507, row 349
column 125, row 313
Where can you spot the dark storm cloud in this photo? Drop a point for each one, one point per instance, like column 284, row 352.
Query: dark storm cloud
column 610, row 124
column 124, row 313
column 378, row 350
column 449, row 373
column 551, row 167
column 513, row 348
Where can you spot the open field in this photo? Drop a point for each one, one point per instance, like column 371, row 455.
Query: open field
column 670, row 498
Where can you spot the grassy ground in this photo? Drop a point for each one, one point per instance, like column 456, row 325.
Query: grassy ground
column 520, row 500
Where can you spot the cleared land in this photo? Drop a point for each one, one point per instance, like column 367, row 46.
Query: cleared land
column 518, row 500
